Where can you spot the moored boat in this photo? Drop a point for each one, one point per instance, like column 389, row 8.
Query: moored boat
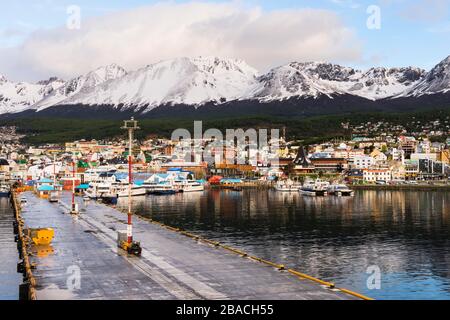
column 188, row 186
column 315, row 188
column 163, row 189
column 287, row 186
column 340, row 190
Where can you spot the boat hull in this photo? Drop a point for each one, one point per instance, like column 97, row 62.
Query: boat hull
column 314, row 193
column 162, row 192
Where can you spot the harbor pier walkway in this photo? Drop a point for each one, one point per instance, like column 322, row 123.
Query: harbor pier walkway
column 9, row 256
column 84, row 262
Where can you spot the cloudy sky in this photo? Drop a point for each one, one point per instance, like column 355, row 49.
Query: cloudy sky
column 43, row 38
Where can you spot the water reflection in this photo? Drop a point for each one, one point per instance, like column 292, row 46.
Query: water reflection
column 407, row 234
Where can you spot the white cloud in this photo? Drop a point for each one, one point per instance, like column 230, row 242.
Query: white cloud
column 148, row 34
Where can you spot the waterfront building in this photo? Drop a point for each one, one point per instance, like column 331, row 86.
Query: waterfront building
column 329, row 164
column 374, row 175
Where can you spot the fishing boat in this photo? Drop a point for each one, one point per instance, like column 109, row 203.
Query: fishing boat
column 340, row 190
column 99, row 190
column 163, row 189
column 287, row 186
column 315, row 188
column 188, row 186
column 150, row 186
column 121, row 189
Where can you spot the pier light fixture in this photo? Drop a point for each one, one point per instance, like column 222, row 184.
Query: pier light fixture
column 130, row 124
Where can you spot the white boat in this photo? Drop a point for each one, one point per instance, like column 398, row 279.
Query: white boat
column 99, row 190
column 340, row 190
column 188, row 186
column 315, row 188
column 150, row 186
column 164, row 189
column 287, row 186
column 121, row 189
column 101, row 172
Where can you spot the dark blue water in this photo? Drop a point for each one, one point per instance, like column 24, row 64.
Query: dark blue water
column 405, row 234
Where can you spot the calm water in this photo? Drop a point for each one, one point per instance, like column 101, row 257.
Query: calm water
column 405, row 234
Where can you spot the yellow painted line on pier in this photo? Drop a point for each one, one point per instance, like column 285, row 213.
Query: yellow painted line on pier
column 305, row 276
column 355, row 294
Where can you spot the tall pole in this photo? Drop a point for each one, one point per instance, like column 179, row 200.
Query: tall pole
column 130, row 182
column 54, row 170
column 73, row 183
column 130, row 125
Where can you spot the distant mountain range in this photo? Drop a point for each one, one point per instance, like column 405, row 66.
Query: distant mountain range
column 228, row 87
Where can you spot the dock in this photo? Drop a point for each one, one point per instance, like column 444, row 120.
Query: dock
column 84, row 262
column 9, row 278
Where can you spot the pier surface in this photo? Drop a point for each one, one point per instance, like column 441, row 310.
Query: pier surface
column 9, row 256
column 172, row 266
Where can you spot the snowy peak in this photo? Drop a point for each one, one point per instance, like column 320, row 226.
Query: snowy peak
column 298, row 80
column 191, row 81
column 313, row 79
column 19, row 96
column 380, row 83
column 436, row 81
column 79, row 84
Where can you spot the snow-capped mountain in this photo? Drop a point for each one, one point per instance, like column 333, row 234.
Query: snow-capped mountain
column 191, row 81
column 435, row 81
column 299, row 80
column 315, row 79
column 19, row 96
column 80, row 84
column 221, row 81
column 380, row 83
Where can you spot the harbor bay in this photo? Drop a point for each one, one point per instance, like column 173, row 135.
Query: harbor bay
column 404, row 233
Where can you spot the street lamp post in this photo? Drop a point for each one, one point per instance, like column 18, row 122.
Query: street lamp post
column 130, row 125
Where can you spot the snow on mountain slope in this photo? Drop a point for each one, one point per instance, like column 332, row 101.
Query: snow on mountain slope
column 196, row 81
column 436, row 81
column 309, row 79
column 19, row 96
column 183, row 80
column 380, row 83
column 80, row 84
column 313, row 79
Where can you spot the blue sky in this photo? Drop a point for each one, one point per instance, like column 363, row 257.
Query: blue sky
column 413, row 32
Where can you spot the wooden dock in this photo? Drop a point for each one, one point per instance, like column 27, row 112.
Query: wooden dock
column 84, row 262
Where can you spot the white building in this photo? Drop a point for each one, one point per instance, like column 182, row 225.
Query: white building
column 424, row 156
column 374, row 175
column 363, row 162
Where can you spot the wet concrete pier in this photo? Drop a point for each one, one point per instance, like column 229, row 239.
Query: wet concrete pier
column 84, row 262
column 9, row 256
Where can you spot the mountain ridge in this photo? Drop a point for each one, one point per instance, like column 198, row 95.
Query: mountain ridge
column 209, row 82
